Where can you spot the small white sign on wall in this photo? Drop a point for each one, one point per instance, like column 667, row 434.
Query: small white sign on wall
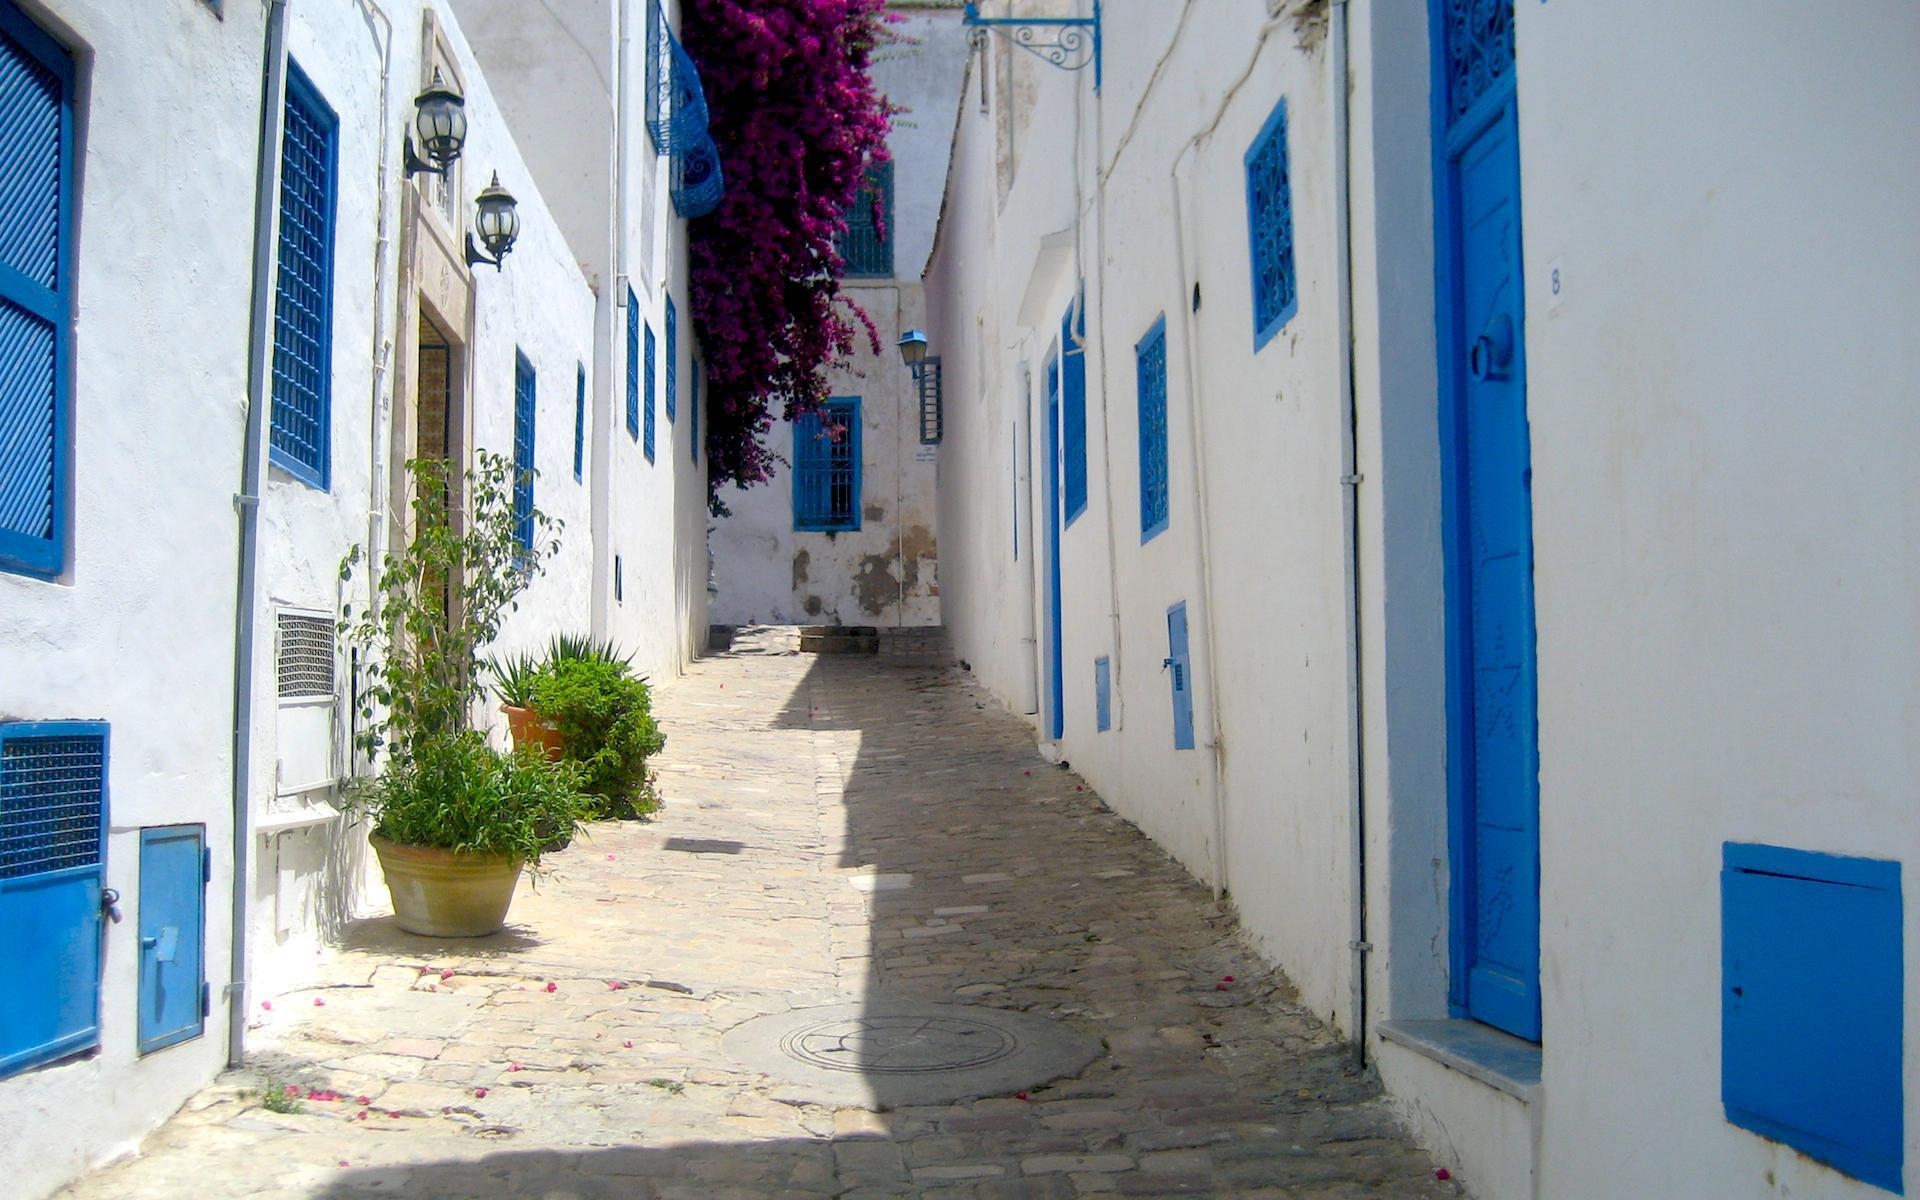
column 924, row 453
column 1556, row 284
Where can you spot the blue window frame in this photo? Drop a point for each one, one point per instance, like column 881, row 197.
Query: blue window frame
column 693, row 409
column 303, row 294
column 524, row 407
column 1270, row 228
column 1073, row 416
column 53, row 855
column 36, row 295
column 1150, row 362
column 1812, row 1005
column 1179, row 666
column 826, row 467
column 646, row 400
column 867, row 245
column 1102, row 694
column 580, row 424
column 633, row 359
column 673, row 359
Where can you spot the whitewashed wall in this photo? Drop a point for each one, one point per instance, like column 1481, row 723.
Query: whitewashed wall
column 166, row 110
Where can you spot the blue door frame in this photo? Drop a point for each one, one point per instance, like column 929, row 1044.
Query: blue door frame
column 1056, row 680
column 1493, row 736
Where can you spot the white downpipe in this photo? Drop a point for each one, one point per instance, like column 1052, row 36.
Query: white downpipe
column 1116, row 692
column 379, row 405
column 1023, row 527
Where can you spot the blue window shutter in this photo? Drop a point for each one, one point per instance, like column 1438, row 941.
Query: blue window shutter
column 580, row 424
column 172, row 935
column 1150, row 360
column 867, row 245
column 1180, row 672
column 1073, row 398
column 693, row 409
column 1270, row 228
column 302, row 418
column 633, row 366
column 1812, row 1005
column 826, row 468
column 1102, row 694
column 646, row 401
column 36, row 294
column 673, row 359
column 53, row 850
column 524, row 408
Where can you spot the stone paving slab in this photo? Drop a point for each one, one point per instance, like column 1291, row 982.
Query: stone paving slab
column 837, row 830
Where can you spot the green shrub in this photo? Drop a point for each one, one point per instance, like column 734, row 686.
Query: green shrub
column 606, row 719
column 456, row 792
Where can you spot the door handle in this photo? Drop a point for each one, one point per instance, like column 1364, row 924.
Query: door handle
column 1491, row 355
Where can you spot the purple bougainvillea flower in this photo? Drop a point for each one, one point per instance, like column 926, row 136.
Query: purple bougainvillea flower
column 479, row 1093
column 551, row 986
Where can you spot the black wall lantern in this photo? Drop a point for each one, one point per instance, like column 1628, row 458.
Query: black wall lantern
column 498, row 222
column 440, row 117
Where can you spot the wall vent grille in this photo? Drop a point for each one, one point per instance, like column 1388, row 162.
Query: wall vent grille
column 51, row 794
column 306, row 658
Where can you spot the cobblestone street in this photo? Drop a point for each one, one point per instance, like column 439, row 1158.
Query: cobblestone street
column 836, row 828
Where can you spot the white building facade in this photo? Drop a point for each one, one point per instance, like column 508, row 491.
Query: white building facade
column 1462, row 520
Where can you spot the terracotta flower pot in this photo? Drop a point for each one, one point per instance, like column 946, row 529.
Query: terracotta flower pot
column 447, row 893
column 529, row 729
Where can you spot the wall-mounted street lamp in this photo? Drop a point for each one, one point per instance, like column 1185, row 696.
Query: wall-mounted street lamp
column 926, row 373
column 440, row 117
column 498, row 222
column 1069, row 43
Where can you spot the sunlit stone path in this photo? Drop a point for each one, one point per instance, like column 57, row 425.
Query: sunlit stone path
column 838, row 829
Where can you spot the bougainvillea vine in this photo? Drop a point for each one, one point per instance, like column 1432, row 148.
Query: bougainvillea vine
column 798, row 122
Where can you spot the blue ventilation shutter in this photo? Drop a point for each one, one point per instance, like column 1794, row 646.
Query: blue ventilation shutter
column 1102, row 694
column 867, row 245
column 673, row 359
column 646, row 400
column 1150, row 362
column 302, row 420
column 1812, row 1005
column 618, row 590
column 633, row 361
column 1270, row 228
column 580, row 424
column 524, row 408
column 826, row 468
column 1073, row 400
column 173, row 891
column 36, row 222
column 1179, row 666
column 53, row 843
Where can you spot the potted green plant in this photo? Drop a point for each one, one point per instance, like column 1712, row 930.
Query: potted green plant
column 605, row 719
column 454, row 820
column 513, row 679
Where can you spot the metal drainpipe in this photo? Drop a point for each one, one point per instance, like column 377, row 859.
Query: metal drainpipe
column 378, row 425
column 1350, row 519
column 253, row 469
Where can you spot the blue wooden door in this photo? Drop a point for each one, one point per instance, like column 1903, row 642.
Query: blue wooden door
column 1179, row 667
column 1493, row 744
column 1056, row 680
column 173, row 878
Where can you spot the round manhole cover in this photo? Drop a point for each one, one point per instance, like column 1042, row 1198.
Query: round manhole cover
column 890, row 1053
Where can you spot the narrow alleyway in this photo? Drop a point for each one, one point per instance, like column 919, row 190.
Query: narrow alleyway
column 836, row 828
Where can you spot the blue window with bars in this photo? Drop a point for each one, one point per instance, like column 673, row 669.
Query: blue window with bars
column 826, row 467
column 524, row 407
column 1150, row 361
column 53, row 843
column 1102, row 694
column 580, row 424
column 867, row 244
column 36, row 293
column 673, row 359
column 1270, row 228
column 1073, row 403
column 693, row 410
column 633, row 358
column 646, row 401
column 303, row 294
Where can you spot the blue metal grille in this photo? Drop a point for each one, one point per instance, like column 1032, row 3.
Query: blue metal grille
column 633, row 357
column 524, row 407
column 1270, row 227
column 673, row 360
column 867, row 244
column 1479, row 37
column 646, row 401
column 698, row 183
column 31, row 108
column 826, row 467
column 52, row 796
column 1073, row 401
column 302, row 328
column 1150, row 360
column 580, row 424
column 676, row 103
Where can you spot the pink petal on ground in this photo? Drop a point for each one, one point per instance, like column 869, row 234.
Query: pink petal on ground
column 362, row 1101
column 446, row 975
column 1020, row 1096
column 267, row 1004
column 626, row 1045
column 479, row 1093
column 1442, row 1174
column 1226, row 979
column 395, row 1115
column 345, row 1163
column 513, row 1066
column 361, row 1115
column 609, row 858
column 319, row 1003
column 552, row 987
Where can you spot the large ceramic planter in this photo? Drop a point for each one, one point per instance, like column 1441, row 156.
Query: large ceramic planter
column 447, row 893
column 529, row 729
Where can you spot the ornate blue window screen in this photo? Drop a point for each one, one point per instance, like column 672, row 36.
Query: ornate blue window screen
column 673, row 359
column 1150, row 362
column 1479, row 38
column 867, row 244
column 633, row 359
column 580, row 424
column 1073, row 402
column 1270, row 228
column 826, row 467
column 646, row 401
column 524, row 407
column 36, row 223
column 677, row 120
column 303, row 295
